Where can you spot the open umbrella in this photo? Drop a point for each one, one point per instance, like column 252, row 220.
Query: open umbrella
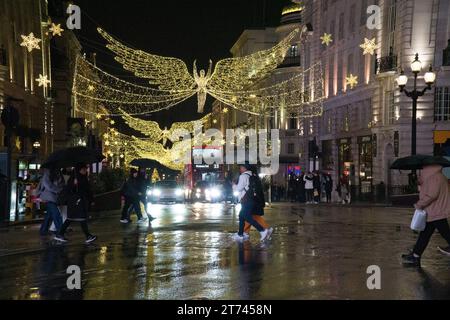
column 70, row 157
column 417, row 162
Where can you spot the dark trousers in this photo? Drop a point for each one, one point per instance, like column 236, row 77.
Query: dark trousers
column 309, row 195
column 425, row 236
column 246, row 215
column 130, row 204
column 52, row 214
column 84, row 227
column 328, row 196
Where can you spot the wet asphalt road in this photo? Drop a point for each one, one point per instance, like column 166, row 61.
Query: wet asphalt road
column 317, row 252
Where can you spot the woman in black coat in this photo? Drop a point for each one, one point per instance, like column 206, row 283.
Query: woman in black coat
column 79, row 198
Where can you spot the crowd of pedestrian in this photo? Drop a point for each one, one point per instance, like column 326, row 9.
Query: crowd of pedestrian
column 312, row 188
column 72, row 196
column 134, row 191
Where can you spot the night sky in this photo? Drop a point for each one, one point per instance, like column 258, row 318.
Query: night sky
column 186, row 29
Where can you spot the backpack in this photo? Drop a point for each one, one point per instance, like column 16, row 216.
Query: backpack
column 255, row 191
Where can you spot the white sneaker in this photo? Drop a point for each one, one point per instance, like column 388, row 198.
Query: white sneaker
column 238, row 238
column 124, row 221
column 269, row 236
column 264, row 235
column 142, row 219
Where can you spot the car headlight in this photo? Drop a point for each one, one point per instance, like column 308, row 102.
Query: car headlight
column 215, row 193
column 179, row 192
column 157, row 192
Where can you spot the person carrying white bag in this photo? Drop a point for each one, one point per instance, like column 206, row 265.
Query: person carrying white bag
column 434, row 205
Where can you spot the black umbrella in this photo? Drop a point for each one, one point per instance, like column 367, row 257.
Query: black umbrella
column 70, row 157
column 145, row 163
column 417, row 162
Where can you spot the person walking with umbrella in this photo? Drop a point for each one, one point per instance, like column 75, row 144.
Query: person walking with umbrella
column 79, row 199
column 51, row 185
column 434, row 199
column 132, row 193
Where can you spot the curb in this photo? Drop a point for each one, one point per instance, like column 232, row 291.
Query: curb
column 93, row 216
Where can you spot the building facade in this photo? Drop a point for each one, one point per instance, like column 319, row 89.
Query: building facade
column 367, row 125
column 366, row 120
column 227, row 117
column 46, row 115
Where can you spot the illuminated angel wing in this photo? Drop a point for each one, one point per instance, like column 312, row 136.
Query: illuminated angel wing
column 166, row 73
column 189, row 126
column 236, row 74
column 148, row 128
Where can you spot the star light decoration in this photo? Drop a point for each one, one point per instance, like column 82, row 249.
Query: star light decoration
column 326, row 39
column 43, row 81
column 352, row 81
column 30, row 42
column 369, row 46
column 56, row 30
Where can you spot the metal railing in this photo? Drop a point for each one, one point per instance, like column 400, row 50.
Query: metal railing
column 291, row 61
column 385, row 64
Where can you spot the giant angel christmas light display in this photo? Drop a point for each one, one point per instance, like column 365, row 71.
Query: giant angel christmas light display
column 247, row 83
column 151, row 129
column 167, row 73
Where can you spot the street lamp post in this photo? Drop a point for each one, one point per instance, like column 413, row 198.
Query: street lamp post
column 402, row 80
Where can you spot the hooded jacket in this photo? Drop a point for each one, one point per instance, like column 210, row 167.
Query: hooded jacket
column 48, row 189
column 434, row 193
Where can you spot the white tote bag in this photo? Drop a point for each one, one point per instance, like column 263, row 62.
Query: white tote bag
column 419, row 221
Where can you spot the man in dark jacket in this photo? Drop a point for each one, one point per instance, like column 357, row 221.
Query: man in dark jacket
column 132, row 193
column 79, row 200
column 143, row 183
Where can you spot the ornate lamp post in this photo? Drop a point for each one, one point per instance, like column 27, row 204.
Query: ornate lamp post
column 402, row 80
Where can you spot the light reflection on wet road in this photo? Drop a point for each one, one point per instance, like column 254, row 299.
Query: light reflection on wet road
column 187, row 253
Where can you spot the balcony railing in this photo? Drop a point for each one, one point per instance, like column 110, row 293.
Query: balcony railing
column 291, row 61
column 385, row 64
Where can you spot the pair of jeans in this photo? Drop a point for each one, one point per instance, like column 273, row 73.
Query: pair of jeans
column 84, row 227
column 131, row 203
column 52, row 214
column 425, row 236
column 309, row 195
column 246, row 216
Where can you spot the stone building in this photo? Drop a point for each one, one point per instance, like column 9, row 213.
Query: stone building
column 45, row 112
column 367, row 126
